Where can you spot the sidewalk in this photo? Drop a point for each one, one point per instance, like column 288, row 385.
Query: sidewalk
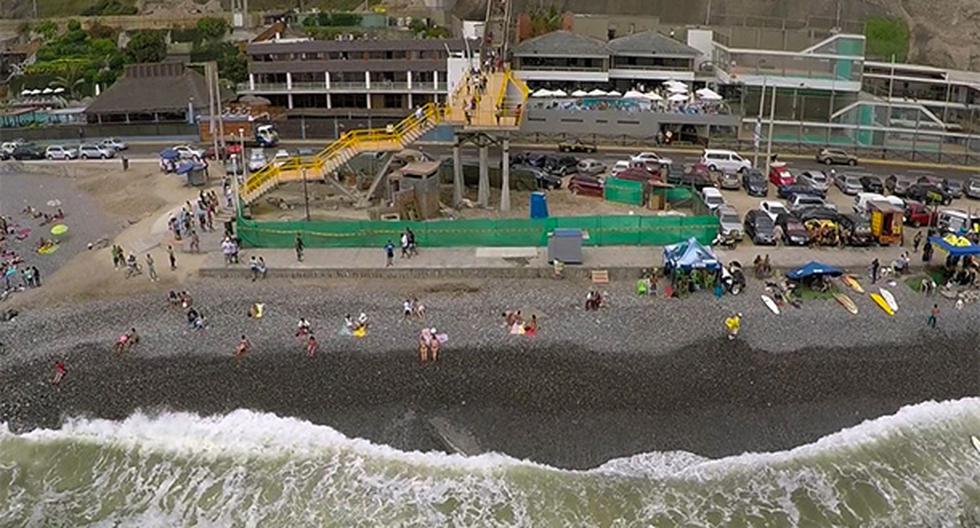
column 622, row 262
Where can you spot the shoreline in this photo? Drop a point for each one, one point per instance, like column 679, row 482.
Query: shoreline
column 644, row 375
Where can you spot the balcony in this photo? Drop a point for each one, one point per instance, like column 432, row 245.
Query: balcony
column 342, row 86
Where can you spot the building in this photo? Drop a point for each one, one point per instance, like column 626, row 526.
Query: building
column 570, row 60
column 348, row 77
column 949, row 96
column 154, row 92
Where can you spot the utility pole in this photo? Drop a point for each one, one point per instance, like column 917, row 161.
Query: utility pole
column 212, row 122
column 757, row 133
column 306, row 195
column 772, row 116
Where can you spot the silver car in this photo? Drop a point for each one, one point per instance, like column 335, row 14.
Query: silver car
column 729, row 225
column 58, row 152
column 973, row 188
column 95, row 152
column 816, row 180
column 848, row 184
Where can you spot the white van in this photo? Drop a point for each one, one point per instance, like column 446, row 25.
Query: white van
column 712, row 198
column 862, row 199
column 724, row 161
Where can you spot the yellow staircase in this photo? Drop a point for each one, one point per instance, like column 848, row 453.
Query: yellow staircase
column 347, row 146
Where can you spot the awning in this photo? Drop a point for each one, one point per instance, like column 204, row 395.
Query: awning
column 955, row 245
column 814, row 269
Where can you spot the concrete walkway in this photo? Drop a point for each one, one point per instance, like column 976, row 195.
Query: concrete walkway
column 622, row 262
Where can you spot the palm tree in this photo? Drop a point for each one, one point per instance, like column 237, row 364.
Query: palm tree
column 71, row 79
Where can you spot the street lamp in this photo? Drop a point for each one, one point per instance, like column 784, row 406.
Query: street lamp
column 306, row 195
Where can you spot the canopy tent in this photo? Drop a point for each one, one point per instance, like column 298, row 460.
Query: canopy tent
column 542, row 93
column 187, row 166
column 633, row 94
column 956, row 246
column 653, row 96
column 579, row 93
column 559, row 93
column 678, row 98
column 169, row 154
column 814, row 269
column 708, row 94
column 690, row 255
column 614, row 93
column 598, row 93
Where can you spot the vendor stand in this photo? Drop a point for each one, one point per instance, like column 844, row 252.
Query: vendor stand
column 886, row 222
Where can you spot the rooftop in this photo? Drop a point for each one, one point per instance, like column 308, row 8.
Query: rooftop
column 562, row 43
column 651, row 43
column 152, row 87
column 308, row 46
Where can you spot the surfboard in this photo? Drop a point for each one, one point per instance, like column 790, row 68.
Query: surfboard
column 976, row 442
column 889, row 298
column 882, row 303
column 853, row 283
column 771, row 304
column 846, row 302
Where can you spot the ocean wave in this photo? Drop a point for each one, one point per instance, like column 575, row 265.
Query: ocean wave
column 258, row 469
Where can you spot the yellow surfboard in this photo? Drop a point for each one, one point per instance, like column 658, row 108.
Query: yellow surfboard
column 846, row 302
column 882, row 303
column 853, row 283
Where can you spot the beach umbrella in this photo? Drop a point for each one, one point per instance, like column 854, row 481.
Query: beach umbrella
column 25, row 92
column 59, row 229
column 678, row 97
column 634, row 94
column 579, row 93
column 48, row 91
column 59, row 90
column 35, row 92
column 597, row 93
column 542, row 93
column 169, row 154
column 653, row 96
column 708, row 94
column 559, row 93
column 674, row 88
column 614, row 93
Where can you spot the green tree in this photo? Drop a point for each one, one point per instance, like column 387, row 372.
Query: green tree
column 73, row 77
column 232, row 64
column 887, row 38
column 98, row 30
column 212, row 28
column 47, row 29
column 545, row 21
column 146, row 46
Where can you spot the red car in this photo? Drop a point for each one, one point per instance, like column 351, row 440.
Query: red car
column 231, row 148
column 586, row 185
column 918, row 214
column 780, row 175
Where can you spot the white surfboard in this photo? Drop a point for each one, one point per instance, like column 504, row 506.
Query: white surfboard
column 976, row 443
column 771, row 304
column 889, row 298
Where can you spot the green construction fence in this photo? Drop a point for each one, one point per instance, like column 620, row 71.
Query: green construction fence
column 511, row 232
column 624, row 191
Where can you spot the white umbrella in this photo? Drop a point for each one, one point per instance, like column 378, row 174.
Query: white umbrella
column 579, row 93
column 35, row 92
column 597, row 93
column 542, row 93
column 677, row 88
column 47, row 91
column 559, row 93
column 653, row 96
column 614, row 93
column 678, row 97
column 633, row 94
column 708, row 94
column 59, row 90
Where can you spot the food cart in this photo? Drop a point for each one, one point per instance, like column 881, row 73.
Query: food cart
column 886, row 222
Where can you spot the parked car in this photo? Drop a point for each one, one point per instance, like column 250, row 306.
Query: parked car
column 59, row 152
column 226, row 151
column 929, row 193
column 256, row 160
column 729, row 180
column 188, row 152
column 729, row 224
column 779, row 174
column 856, row 230
column 619, row 166
column 696, row 176
column 586, row 185
column 590, row 166
column 953, row 187
column 872, row 184
column 759, row 227
column 561, row 165
column 772, row 208
column 576, row 145
column 848, row 184
column 829, row 156
column 918, row 214
column 712, row 198
column 789, row 191
column 282, row 156
column 27, row 151
column 114, row 144
column 724, row 160
column 90, row 151
column 652, row 160
column 9, row 146
column 898, row 185
column 816, row 180
column 755, row 183
column 954, row 221
column 4, row 155
column 794, row 232
column 806, row 201
column 973, row 188
column 638, row 174
column 542, row 179
column 862, row 199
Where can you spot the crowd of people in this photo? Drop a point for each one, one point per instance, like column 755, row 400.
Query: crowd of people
column 17, row 261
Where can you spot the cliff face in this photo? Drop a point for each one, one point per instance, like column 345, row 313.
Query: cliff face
column 942, row 32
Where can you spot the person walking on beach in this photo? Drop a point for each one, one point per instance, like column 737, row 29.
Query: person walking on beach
column 253, row 266
column 404, row 243
column 311, row 346
column 733, row 324
column 875, row 265
column 37, row 276
column 172, row 257
column 151, row 269
column 933, row 314
column 407, row 310
column 195, row 242
column 59, row 373
column 299, row 247
column 244, row 347
column 389, row 254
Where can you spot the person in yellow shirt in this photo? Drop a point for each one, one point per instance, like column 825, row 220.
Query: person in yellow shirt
column 732, row 325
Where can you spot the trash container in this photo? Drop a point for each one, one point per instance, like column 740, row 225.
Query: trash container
column 197, row 177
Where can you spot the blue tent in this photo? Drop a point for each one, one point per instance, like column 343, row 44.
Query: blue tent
column 956, row 251
column 814, row 269
column 169, row 154
column 690, row 255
